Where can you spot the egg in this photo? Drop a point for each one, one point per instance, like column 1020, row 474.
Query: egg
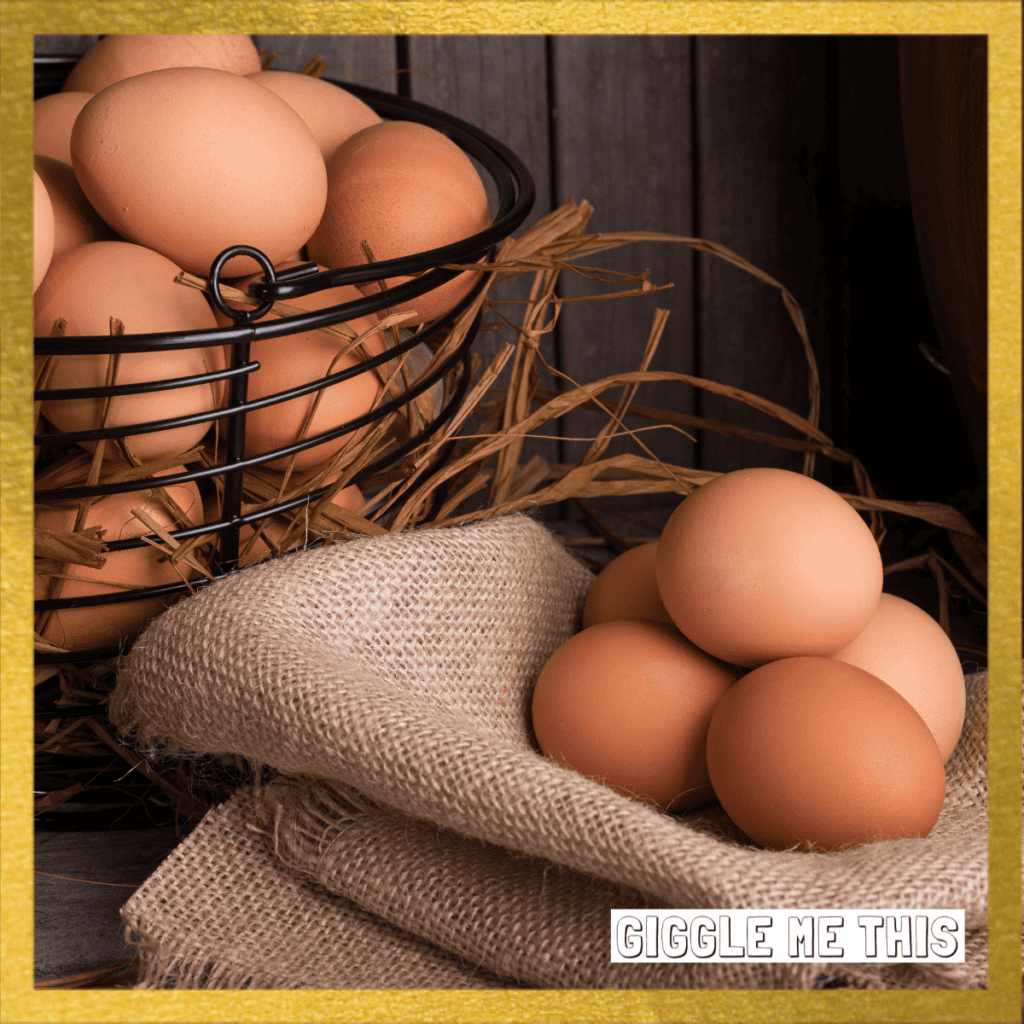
column 53, row 118
column 403, row 188
column 628, row 703
column 626, row 588
column 298, row 359
column 75, row 222
column 88, row 285
column 190, row 161
column 110, row 624
column 906, row 648
column 761, row 564
column 43, row 230
column 814, row 753
column 253, row 547
column 330, row 112
column 119, row 56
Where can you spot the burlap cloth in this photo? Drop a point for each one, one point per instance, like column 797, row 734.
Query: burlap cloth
column 414, row 822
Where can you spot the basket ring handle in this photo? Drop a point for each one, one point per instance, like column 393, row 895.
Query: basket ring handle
column 240, row 316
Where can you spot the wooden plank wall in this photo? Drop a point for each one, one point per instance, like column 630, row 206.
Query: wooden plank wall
column 634, row 125
column 787, row 150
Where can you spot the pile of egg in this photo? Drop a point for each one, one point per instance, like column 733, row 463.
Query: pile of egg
column 159, row 153
column 749, row 656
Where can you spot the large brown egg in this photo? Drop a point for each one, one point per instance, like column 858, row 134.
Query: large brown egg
column 818, row 754
column 626, row 588
column 109, row 624
column 761, row 564
column 298, row 359
column 190, row 161
column 75, row 222
column 403, row 188
column 628, row 704
column 88, row 285
column 119, row 56
column 331, row 113
column 53, row 118
column 43, row 230
column 906, row 648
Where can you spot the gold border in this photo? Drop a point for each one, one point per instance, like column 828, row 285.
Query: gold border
column 1000, row 20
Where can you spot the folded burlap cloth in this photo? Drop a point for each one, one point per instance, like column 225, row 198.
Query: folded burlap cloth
column 415, row 836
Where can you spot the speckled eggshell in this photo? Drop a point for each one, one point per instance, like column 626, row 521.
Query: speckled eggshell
column 628, row 704
column 107, row 625
column 43, row 230
column 906, row 648
column 53, row 118
column 297, row 359
column 764, row 563
column 88, row 285
column 404, row 188
column 75, row 222
column 119, row 56
column 626, row 588
column 817, row 754
column 190, row 161
column 331, row 113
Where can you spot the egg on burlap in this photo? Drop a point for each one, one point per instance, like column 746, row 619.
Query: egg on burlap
column 763, row 563
column 626, row 588
column 628, row 703
column 814, row 753
column 906, row 648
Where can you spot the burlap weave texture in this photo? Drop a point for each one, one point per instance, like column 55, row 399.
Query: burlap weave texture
column 221, row 912
column 391, row 676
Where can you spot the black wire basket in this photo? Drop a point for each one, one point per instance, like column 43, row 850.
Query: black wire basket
column 515, row 198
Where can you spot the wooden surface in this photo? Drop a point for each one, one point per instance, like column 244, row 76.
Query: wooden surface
column 78, row 926
column 790, row 152
column 942, row 93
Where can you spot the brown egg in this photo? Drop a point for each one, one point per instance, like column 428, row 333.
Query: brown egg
column 75, row 221
column 331, row 113
column 87, row 286
column 404, row 188
column 43, row 230
column 815, row 753
column 298, row 359
column 761, row 564
column 107, row 625
column 906, row 648
column 628, row 704
column 190, row 161
column 53, row 118
column 626, row 588
column 253, row 547
column 119, row 56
